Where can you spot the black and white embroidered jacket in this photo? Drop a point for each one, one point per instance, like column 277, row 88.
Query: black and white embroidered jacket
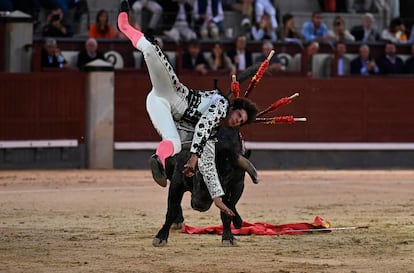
column 205, row 110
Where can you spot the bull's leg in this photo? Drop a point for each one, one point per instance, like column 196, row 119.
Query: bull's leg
column 170, row 165
column 227, row 238
column 236, row 192
column 179, row 220
column 231, row 200
column 175, row 196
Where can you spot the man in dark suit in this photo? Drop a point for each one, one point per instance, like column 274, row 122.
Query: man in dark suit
column 89, row 53
column 52, row 56
column 338, row 64
column 390, row 63
column 363, row 64
column 193, row 58
column 366, row 32
column 239, row 55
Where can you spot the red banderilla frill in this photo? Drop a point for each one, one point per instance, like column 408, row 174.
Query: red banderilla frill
column 277, row 104
column 273, row 107
column 235, row 87
column 259, row 74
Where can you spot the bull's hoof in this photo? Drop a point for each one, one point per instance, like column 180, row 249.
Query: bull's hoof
column 177, row 226
column 157, row 242
column 229, row 242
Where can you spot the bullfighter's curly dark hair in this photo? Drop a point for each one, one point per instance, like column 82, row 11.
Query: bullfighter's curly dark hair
column 247, row 105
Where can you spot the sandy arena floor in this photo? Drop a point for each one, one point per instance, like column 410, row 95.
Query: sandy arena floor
column 104, row 221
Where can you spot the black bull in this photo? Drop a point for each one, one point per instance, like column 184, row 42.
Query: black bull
column 231, row 167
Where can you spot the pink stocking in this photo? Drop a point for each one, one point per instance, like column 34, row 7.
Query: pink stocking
column 133, row 34
column 164, row 150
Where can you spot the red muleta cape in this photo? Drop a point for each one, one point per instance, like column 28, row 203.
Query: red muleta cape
column 261, row 228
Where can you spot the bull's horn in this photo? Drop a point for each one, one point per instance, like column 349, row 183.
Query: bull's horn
column 249, row 167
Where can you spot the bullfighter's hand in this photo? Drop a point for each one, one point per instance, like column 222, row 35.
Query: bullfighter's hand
column 189, row 167
column 219, row 203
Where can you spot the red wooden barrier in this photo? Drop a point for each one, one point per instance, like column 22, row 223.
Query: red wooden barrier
column 51, row 105
column 2, row 49
column 37, row 106
column 338, row 110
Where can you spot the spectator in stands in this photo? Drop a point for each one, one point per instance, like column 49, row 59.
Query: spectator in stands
column 315, row 30
column 65, row 6
column 364, row 64
column 265, row 7
column 390, row 63
column 287, row 32
column 366, row 32
column 409, row 63
column 245, row 8
column 193, row 58
column 240, row 55
column 339, row 31
column 219, row 61
column 274, row 63
column 395, row 31
column 208, row 16
column 101, row 28
column 338, row 64
column 264, row 30
column 178, row 14
column 89, row 53
column 52, row 56
column 56, row 25
column 153, row 7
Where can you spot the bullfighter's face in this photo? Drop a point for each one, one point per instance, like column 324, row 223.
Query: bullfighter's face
column 236, row 118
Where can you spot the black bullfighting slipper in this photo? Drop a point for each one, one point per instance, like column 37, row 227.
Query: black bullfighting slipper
column 158, row 171
column 124, row 6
